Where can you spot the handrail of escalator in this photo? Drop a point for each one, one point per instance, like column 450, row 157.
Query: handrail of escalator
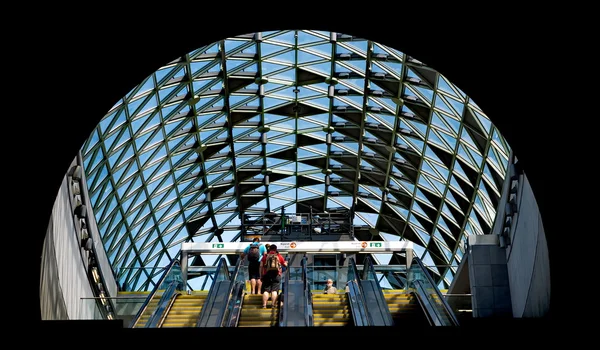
column 154, row 291
column 430, row 311
column 163, row 305
column 164, row 315
column 222, row 268
column 233, row 299
column 308, row 309
column 369, row 273
column 282, row 321
column 358, row 304
column 443, row 301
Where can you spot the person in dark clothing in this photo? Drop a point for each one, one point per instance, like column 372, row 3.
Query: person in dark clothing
column 254, row 260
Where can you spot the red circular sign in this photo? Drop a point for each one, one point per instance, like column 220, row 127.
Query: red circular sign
column 293, row 245
column 363, row 244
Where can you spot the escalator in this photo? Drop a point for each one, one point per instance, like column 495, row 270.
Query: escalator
column 167, row 306
column 184, row 310
column 152, row 312
column 253, row 314
column 331, row 310
column 367, row 302
column 434, row 305
column 405, row 308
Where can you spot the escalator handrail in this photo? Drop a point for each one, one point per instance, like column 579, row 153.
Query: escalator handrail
column 282, row 321
column 164, row 315
column 363, row 311
column 221, row 268
column 445, row 305
column 308, row 309
column 154, row 291
column 369, row 268
column 430, row 311
column 225, row 315
column 163, row 305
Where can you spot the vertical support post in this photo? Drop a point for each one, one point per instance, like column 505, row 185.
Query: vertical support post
column 184, row 267
column 409, row 257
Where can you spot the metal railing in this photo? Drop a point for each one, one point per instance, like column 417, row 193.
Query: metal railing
column 308, row 308
column 358, row 303
column 157, row 287
column 426, row 288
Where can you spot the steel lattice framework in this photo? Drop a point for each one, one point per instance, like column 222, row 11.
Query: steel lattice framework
column 333, row 121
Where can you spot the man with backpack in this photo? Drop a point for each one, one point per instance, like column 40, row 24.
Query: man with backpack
column 254, row 251
column 271, row 278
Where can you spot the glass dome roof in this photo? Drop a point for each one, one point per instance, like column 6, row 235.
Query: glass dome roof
column 333, row 120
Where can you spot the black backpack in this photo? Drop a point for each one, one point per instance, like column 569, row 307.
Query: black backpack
column 253, row 254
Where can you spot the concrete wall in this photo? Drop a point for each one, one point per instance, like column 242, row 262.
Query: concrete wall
column 527, row 258
column 526, row 250
column 488, row 277
column 64, row 280
column 66, row 293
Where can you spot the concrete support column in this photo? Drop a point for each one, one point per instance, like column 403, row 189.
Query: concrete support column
column 488, row 277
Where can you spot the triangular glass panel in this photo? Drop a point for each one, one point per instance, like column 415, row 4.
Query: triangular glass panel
column 305, row 167
column 438, row 121
column 375, row 204
column 457, row 105
column 493, row 159
column 451, row 199
column 465, row 137
column 454, row 124
column 304, row 153
column 416, row 208
column 232, row 45
column 359, row 46
column 287, row 37
column 270, row 67
column 500, row 142
column 444, row 173
column 303, row 194
column 359, row 221
column 451, row 141
column 306, row 57
column 424, row 94
column 417, row 145
column 479, row 205
column 305, row 123
column 266, row 48
column 457, row 169
column 475, row 155
column 434, row 138
column 426, row 167
column 324, row 49
column 465, row 156
column 440, row 186
column 324, row 68
column 286, row 57
column 271, row 102
column 307, row 38
column 377, row 68
column 234, row 65
column 487, row 124
column 357, row 65
column 389, row 237
column 198, row 67
column 288, row 75
column 442, row 104
column 443, row 85
column 369, row 218
column 403, row 213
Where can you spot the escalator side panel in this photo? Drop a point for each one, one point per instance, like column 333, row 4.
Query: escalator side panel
column 215, row 305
